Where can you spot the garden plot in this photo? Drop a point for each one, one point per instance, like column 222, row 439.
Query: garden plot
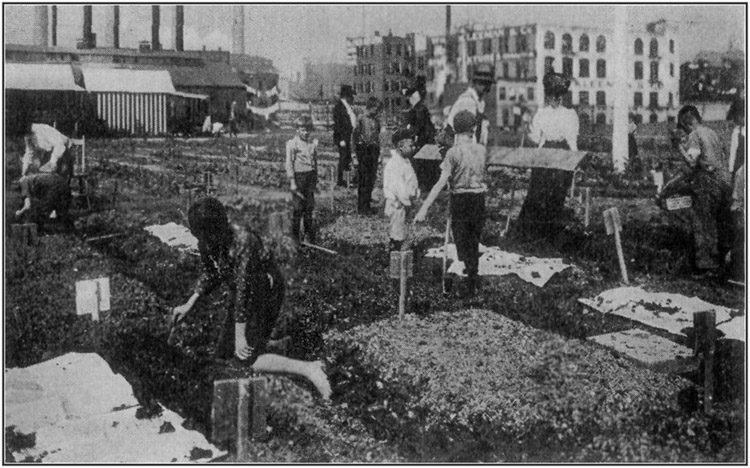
column 79, row 410
column 496, row 262
column 369, row 230
column 670, row 312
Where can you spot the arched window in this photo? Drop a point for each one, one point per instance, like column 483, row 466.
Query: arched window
column 653, row 48
column 601, row 44
column 583, row 68
column 583, row 43
column 638, row 47
column 601, row 68
column 638, row 75
column 567, row 43
column 549, row 40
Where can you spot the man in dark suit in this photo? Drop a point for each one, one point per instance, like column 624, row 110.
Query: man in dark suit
column 344, row 121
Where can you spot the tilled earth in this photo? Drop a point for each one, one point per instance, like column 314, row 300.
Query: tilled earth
column 324, row 293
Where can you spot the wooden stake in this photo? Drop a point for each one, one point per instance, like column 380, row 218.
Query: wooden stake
column 614, row 226
column 573, row 186
column 445, row 252
column 317, row 247
column 237, row 413
column 705, row 344
column 510, row 208
column 333, row 184
column 587, row 212
column 402, row 289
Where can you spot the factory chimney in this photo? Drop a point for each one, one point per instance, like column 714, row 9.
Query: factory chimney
column 448, row 44
column 88, row 41
column 41, row 23
column 178, row 26
column 238, row 30
column 155, row 20
column 112, row 28
column 54, row 26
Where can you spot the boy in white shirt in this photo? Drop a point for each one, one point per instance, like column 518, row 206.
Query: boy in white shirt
column 400, row 187
column 302, row 171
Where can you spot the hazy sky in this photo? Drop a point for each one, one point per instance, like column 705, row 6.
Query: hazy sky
column 290, row 33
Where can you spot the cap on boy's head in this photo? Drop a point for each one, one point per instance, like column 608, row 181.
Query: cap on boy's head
column 402, row 134
column 555, row 84
column 373, row 103
column 304, row 121
column 464, row 122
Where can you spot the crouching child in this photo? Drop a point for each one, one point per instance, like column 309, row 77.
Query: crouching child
column 464, row 168
column 400, row 187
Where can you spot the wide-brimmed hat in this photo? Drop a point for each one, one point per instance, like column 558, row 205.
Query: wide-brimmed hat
column 464, row 122
column 555, row 84
column 402, row 134
column 347, row 91
column 483, row 73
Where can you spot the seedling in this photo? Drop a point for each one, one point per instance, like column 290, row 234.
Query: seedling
column 238, row 413
column 614, row 226
column 92, row 297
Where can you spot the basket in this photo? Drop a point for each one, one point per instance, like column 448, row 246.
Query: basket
column 679, row 203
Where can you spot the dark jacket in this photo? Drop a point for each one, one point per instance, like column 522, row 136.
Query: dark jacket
column 342, row 126
column 420, row 122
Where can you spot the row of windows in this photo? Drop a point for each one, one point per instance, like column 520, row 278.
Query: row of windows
column 510, row 94
column 601, row 68
column 366, row 51
column 601, row 118
column 522, row 69
column 653, row 47
column 388, row 85
column 567, row 42
column 500, row 44
column 399, row 50
column 364, row 69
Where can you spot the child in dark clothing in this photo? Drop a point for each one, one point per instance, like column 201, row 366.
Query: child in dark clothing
column 367, row 139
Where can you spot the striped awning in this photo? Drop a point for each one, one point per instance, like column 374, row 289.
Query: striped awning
column 40, row 77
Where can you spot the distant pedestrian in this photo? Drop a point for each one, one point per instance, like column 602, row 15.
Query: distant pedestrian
column 47, row 150
column 419, row 120
column 302, row 171
column 472, row 100
column 44, row 193
column 235, row 259
column 737, row 141
column 233, row 130
column 400, row 187
column 465, row 169
column 344, row 121
column 634, row 161
column 712, row 192
column 367, row 140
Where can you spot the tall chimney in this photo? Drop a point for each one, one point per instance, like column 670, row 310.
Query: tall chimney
column 238, row 30
column 54, row 26
column 41, row 23
column 155, row 44
column 87, row 21
column 112, row 27
column 448, row 50
column 179, row 23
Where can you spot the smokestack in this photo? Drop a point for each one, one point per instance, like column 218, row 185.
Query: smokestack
column 238, row 30
column 155, row 19
column 179, row 23
column 448, row 50
column 88, row 41
column 41, row 23
column 54, row 26
column 112, row 27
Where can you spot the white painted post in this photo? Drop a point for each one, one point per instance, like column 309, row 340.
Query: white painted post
column 620, row 111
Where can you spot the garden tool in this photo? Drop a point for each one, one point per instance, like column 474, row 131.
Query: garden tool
column 173, row 326
column 446, row 282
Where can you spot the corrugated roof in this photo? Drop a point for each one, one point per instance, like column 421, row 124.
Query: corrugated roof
column 121, row 80
column 40, row 76
column 213, row 75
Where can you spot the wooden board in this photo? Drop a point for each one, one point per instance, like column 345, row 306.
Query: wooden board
column 534, row 157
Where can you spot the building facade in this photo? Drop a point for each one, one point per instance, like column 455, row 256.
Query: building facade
column 385, row 65
column 522, row 54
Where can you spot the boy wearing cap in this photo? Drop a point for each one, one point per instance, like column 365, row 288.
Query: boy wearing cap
column 400, row 187
column 302, row 171
column 464, row 167
column 367, row 138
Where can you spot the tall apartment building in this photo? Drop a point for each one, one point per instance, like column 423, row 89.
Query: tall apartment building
column 384, row 65
column 522, row 54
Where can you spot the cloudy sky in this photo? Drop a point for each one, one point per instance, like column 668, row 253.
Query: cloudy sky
column 289, row 34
